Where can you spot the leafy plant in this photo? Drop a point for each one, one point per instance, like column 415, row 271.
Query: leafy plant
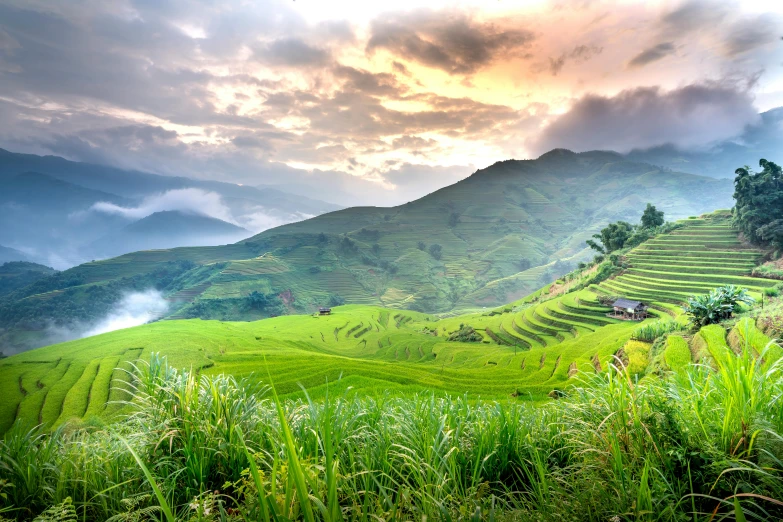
column 718, row 305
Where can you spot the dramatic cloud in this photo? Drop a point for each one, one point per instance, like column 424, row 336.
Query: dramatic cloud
column 691, row 116
column 329, row 100
column 454, row 43
column 652, row 54
column 191, row 200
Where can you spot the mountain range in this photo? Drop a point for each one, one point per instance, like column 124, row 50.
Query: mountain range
column 60, row 212
column 484, row 241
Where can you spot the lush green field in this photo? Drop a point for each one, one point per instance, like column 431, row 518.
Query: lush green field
column 527, row 349
column 488, row 240
column 700, row 444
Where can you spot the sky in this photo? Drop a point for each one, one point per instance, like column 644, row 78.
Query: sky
column 376, row 103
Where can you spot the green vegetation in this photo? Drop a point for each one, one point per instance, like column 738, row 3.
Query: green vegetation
column 652, row 217
column 651, row 331
column 209, row 448
column 718, row 305
column 466, row 334
column 524, row 349
column 677, row 353
column 758, row 211
column 483, row 242
column 19, row 274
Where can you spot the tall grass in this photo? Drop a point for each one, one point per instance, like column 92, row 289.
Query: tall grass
column 704, row 444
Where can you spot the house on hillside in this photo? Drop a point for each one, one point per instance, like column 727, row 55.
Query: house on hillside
column 324, row 311
column 627, row 309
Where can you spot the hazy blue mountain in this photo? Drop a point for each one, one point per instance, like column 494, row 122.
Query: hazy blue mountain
column 168, row 229
column 9, row 254
column 135, row 184
column 48, row 207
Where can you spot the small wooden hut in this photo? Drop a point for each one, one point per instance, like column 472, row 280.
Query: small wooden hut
column 324, row 310
column 628, row 309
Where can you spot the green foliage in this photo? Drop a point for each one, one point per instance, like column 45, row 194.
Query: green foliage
column 421, row 246
column 758, row 208
column 652, row 217
column 651, row 331
column 436, row 251
column 19, row 274
column 718, row 305
column 612, row 237
column 611, row 447
column 453, row 220
column 465, row 334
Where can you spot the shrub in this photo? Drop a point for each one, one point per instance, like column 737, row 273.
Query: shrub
column 465, row 334
column 719, row 305
column 436, row 251
column 421, row 246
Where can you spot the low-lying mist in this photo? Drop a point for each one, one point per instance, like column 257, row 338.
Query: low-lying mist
column 133, row 309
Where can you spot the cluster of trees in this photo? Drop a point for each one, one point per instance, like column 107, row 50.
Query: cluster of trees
column 758, row 208
column 621, row 234
column 435, row 250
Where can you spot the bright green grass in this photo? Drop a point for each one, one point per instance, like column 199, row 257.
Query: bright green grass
column 677, row 354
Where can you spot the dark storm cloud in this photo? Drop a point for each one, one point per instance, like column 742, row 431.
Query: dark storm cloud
column 652, row 54
column 456, row 44
column 690, row 116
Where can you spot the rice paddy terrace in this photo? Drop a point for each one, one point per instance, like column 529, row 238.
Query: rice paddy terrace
column 694, row 259
column 527, row 348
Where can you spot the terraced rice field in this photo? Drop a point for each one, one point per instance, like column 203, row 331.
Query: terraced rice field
column 691, row 260
column 528, row 348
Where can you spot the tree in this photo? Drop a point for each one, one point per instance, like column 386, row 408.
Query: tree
column 758, row 207
column 652, row 217
column 524, row 264
column 436, row 251
column 376, row 249
column 421, row 246
column 612, row 238
column 453, row 220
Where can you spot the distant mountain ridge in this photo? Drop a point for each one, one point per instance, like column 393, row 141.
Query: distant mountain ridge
column 169, row 229
column 10, row 254
column 47, row 206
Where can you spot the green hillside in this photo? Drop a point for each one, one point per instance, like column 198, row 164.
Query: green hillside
column 525, row 349
column 487, row 240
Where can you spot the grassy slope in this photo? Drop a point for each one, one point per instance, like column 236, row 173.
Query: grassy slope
column 539, row 210
column 530, row 347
